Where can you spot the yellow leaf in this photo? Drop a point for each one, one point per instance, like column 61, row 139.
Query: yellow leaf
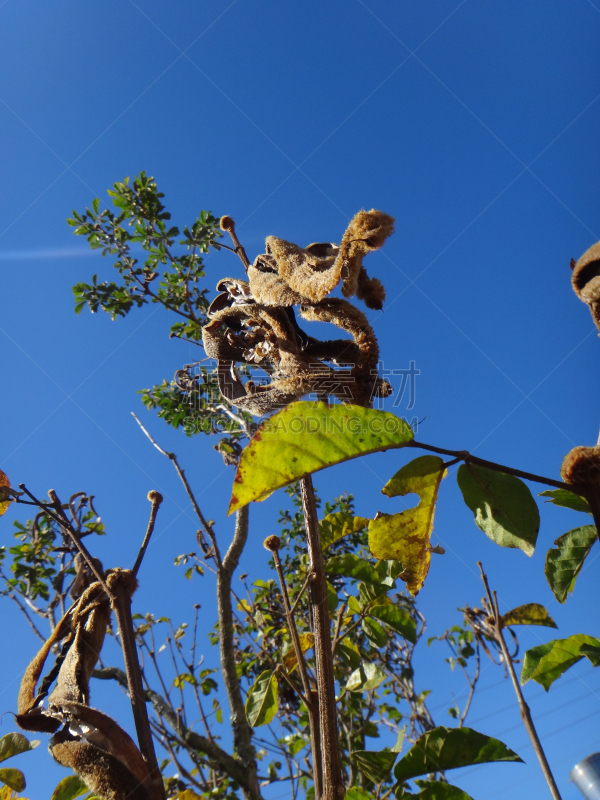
column 306, row 437
column 405, row 536
column 307, row 640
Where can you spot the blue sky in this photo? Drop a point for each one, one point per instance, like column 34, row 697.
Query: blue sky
column 473, row 123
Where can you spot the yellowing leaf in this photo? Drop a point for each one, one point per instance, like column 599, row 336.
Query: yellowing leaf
column 529, row 614
column 188, row 794
column 405, row 536
column 339, row 524
column 5, row 493
column 307, row 640
column 306, row 437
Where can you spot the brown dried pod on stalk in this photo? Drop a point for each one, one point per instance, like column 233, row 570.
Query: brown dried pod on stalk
column 585, row 279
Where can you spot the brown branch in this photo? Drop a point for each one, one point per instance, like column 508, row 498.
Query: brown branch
column 524, row 708
column 242, row 732
column 333, row 785
column 464, row 455
column 123, row 584
column 311, row 707
column 203, row 521
column 156, row 499
column 192, row 740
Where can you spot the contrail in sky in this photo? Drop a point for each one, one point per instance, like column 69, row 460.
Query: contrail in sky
column 44, row 253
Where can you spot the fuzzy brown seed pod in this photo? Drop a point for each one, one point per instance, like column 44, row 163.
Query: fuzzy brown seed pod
column 272, row 543
column 585, row 279
column 155, row 497
column 226, row 223
column 582, row 465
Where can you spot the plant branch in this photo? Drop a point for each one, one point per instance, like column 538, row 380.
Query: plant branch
column 464, row 455
column 524, row 708
column 203, row 521
column 333, row 785
column 156, row 499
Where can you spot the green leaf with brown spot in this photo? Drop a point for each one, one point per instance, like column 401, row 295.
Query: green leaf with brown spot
column 13, row 778
column 529, row 614
column 449, row 748
column 406, row 536
column 564, row 563
column 306, row 437
column 503, row 506
column 547, row 662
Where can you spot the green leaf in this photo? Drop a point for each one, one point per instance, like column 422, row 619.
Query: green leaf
column 306, row 437
column 367, row 676
column 564, row 563
column 261, row 703
column 14, row 743
column 397, row 618
column 13, row 778
column 349, row 653
column 529, row 614
column 339, row 524
column 547, row 662
column 354, row 793
column 375, row 633
column 69, row 788
column 351, row 566
column 503, row 506
column 449, row 748
column 405, row 536
column 376, row 766
column 567, row 499
column 438, row 790
column 592, row 652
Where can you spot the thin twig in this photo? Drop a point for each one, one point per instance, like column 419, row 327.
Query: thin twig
column 203, row 521
column 156, row 499
column 524, row 708
column 464, row 455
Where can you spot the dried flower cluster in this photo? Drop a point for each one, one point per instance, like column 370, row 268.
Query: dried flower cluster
column 253, row 321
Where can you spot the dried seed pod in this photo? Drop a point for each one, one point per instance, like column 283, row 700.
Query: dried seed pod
column 226, row 223
column 582, row 465
column 585, row 279
column 272, row 543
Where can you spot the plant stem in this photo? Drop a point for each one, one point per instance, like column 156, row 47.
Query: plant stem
column 524, row 708
column 333, row 785
column 311, row 699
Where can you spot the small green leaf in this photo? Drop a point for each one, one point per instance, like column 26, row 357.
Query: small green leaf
column 13, row 778
column 262, row 703
column 397, row 618
column 529, row 614
column 14, row 743
column 367, row 676
column 547, row 662
column 376, row 766
column 449, row 748
column 438, row 790
column 349, row 653
column 351, row 566
column 69, row 788
column 567, row 499
column 375, row 633
column 405, row 536
column 306, row 437
column 503, row 506
column 564, row 563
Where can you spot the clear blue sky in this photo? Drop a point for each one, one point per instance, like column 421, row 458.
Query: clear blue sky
column 475, row 124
